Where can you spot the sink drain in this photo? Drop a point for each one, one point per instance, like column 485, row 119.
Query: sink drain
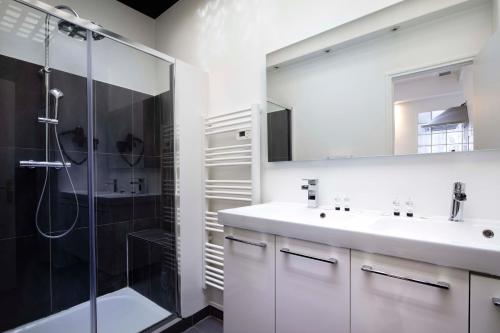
column 488, row 233
column 322, row 215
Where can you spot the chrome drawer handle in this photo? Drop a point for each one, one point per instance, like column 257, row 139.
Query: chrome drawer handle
column 259, row 244
column 329, row 260
column 439, row 284
column 496, row 301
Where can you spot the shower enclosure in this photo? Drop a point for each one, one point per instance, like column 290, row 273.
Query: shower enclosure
column 87, row 176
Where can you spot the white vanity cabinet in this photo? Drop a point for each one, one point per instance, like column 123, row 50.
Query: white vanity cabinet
column 397, row 295
column 249, row 280
column 312, row 287
column 484, row 304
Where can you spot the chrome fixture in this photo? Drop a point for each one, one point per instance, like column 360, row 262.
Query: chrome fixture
column 438, row 284
column 137, row 185
column 72, row 30
column 234, row 239
column 57, row 95
column 457, row 202
column 43, row 164
column 332, row 261
column 68, row 9
column 47, row 120
column 312, row 192
column 114, row 183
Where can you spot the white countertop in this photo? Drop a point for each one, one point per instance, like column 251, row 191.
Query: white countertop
column 435, row 240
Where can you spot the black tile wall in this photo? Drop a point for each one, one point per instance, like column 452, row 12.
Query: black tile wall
column 41, row 277
column 113, row 115
column 7, row 111
column 70, row 270
column 25, row 280
column 72, row 110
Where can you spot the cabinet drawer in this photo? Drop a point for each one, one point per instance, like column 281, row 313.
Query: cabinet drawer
column 484, row 308
column 409, row 299
column 249, row 280
column 312, row 287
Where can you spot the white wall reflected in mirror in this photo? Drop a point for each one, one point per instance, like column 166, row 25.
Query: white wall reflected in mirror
column 388, row 93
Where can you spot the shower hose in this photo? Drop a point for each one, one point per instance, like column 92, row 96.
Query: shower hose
column 64, row 233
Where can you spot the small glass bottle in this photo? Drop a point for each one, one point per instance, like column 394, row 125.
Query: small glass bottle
column 409, row 208
column 337, row 203
column 347, row 204
column 396, row 208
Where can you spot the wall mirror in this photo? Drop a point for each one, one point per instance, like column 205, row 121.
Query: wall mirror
column 392, row 83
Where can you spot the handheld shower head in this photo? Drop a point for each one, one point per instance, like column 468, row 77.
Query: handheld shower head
column 56, row 93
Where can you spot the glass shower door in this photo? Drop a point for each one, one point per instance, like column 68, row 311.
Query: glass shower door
column 47, row 224
column 135, row 188
column 43, row 206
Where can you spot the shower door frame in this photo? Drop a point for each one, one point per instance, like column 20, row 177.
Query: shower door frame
column 94, row 28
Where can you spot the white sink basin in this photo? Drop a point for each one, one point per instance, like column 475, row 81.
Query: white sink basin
column 435, row 240
column 440, row 230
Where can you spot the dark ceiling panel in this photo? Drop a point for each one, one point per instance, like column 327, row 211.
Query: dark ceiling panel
column 151, row 8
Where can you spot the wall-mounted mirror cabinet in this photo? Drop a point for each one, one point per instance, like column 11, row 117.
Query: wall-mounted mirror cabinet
column 399, row 81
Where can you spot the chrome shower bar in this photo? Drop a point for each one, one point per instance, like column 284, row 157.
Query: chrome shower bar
column 43, row 164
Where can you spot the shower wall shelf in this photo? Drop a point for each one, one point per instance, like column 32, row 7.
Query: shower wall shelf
column 231, row 179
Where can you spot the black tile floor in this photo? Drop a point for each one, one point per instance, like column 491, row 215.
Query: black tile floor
column 207, row 325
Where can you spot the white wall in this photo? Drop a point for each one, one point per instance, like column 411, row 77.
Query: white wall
column 190, row 82
column 230, row 39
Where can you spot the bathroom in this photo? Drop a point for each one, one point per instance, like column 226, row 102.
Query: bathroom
column 159, row 174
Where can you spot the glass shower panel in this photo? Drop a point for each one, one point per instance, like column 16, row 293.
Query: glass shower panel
column 135, row 187
column 43, row 210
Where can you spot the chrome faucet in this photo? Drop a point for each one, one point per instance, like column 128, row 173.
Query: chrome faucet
column 312, row 192
column 457, row 202
column 113, row 182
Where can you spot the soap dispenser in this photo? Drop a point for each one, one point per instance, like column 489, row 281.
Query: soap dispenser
column 409, row 208
column 396, row 208
column 347, row 204
column 337, row 203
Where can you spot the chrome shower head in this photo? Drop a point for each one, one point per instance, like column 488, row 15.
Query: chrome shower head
column 56, row 93
column 73, row 30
